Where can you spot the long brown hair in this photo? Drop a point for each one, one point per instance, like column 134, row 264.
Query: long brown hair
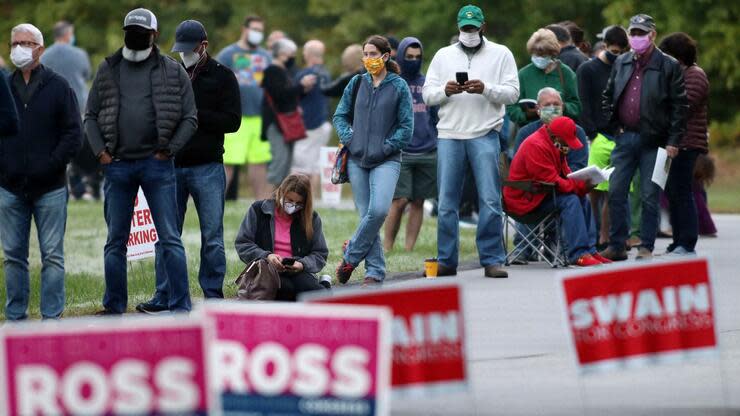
column 384, row 47
column 301, row 185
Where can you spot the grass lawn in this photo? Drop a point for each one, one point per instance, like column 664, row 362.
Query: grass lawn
column 724, row 194
column 86, row 233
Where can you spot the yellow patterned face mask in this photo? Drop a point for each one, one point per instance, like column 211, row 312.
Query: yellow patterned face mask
column 374, row 65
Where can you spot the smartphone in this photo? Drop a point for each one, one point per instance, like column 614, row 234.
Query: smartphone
column 461, row 77
column 288, row 261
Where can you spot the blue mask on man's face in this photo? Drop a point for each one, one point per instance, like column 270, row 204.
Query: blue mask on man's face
column 410, row 68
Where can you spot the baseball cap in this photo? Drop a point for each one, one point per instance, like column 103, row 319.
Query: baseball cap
column 642, row 22
column 565, row 128
column 188, row 35
column 470, row 15
column 140, row 17
column 602, row 35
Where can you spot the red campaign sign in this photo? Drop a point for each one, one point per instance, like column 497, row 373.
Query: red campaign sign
column 646, row 311
column 428, row 334
column 111, row 367
column 300, row 359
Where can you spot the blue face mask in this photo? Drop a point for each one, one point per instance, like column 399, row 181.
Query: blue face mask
column 410, row 68
column 611, row 57
column 541, row 62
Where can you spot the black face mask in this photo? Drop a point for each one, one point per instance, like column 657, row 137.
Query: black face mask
column 290, row 62
column 611, row 57
column 137, row 40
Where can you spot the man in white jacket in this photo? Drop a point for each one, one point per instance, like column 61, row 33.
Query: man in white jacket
column 471, row 114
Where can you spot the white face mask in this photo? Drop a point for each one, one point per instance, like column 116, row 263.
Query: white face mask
column 255, row 37
column 136, row 56
column 470, row 40
column 189, row 58
column 21, row 56
column 291, row 208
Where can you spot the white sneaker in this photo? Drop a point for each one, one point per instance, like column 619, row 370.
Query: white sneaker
column 325, row 280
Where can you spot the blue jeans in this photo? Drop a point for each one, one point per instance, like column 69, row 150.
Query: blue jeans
column 49, row 212
column 373, row 193
column 207, row 184
column 629, row 155
column 483, row 154
column 577, row 226
column 682, row 207
column 157, row 180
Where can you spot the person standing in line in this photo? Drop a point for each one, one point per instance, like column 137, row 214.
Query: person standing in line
column 592, row 78
column 375, row 121
column 645, row 98
column 315, row 105
column 40, row 132
column 351, row 66
column 140, row 113
column 72, row 63
column 682, row 206
column 418, row 178
column 199, row 164
column 248, row 61
column 471, row 115
column 281, row 94
column 569, row 54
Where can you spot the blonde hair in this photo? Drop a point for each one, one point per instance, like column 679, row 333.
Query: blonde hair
column 543, row 42
column 352, row 58
column 300, row 184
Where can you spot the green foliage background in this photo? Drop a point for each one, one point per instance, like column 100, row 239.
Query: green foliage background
column 713, row 23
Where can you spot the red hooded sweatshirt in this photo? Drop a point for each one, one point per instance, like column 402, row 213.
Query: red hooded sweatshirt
column 538, row 160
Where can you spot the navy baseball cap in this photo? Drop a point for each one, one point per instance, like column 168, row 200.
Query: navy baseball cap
column 188, row 35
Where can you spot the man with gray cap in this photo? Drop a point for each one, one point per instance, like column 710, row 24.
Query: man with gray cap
column 645, row 100
column 140, row 113
column 199, row 165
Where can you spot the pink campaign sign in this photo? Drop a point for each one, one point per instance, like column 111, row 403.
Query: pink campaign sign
column 301, row 359
column 107, row 366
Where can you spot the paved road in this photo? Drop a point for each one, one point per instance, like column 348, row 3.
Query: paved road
column 519, row 362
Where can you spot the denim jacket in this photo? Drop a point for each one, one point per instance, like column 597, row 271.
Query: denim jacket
column 383, row 120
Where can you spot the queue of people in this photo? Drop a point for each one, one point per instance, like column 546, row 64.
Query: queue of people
column 183, row 129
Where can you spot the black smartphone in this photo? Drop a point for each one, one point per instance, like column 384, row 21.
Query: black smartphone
column 288, row 261
column 461, row 77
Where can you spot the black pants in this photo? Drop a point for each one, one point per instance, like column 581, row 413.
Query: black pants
column 681, row 204
column 293, row 284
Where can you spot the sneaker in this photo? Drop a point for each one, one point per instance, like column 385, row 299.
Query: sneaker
column 633, row 242
column 587, row 260
column 679, row 251
column 344, row 272
column 325, row 280
column 495, row 271
column 371, row 283
column 644, row 254
column 601, row 258
column 613, row 254
column 152, row 308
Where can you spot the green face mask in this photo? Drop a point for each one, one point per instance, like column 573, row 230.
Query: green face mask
column 548, row 113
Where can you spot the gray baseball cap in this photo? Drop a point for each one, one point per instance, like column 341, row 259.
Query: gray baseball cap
column 142, row 18
column 642, row 22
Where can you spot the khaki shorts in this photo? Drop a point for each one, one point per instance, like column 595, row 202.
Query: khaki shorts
column 246, row 145
column 306, row 152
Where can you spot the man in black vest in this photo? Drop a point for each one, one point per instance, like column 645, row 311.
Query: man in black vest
column 199, row 165
column 140, row 113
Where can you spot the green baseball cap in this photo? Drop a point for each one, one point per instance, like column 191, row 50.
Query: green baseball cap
column 470, row 15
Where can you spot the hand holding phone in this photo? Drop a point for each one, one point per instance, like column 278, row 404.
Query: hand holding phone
column 288, row 261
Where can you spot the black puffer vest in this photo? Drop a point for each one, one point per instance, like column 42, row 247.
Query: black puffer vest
column 165, row 93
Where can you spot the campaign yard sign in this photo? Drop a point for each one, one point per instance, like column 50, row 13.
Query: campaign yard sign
column 300, row 359
column 105, row 367
column 143, row 235
column 428, row 335
column 660, row 311
column 331, row 194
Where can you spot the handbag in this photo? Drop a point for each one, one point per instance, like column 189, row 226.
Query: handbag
column 339, row 170
column 258, row 281
column 290, row 123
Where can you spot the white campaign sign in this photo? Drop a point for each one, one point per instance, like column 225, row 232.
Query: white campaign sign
column 331, row 194
column 143, row 234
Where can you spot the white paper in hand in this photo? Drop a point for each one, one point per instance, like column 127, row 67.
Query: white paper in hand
column 662, row 167
column 592, row 174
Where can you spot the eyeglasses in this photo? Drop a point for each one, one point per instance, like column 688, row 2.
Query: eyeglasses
column 24, row 43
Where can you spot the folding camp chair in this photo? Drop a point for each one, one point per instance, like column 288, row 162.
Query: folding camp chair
column 541, row 228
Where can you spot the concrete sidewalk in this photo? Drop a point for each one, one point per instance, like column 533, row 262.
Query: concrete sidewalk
column 519, row 359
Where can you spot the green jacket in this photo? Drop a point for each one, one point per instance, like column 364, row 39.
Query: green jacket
column 533, row 79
